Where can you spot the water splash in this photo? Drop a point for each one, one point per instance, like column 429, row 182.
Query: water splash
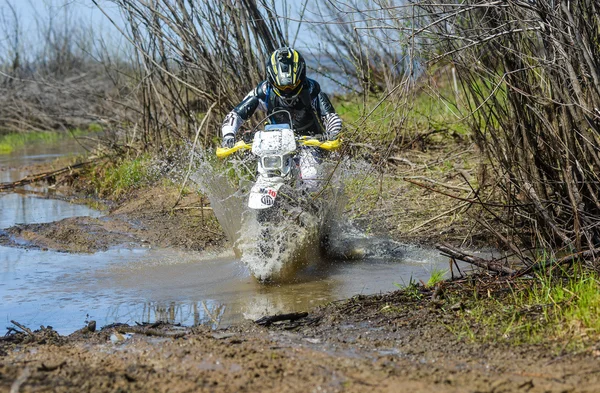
column 274, row 244
column 303, row 229
column 227, row 192
column 278, row 242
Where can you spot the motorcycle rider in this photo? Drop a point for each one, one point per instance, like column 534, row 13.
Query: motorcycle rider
column 287, row 88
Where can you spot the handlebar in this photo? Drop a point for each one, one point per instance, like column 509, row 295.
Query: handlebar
column 223, row 152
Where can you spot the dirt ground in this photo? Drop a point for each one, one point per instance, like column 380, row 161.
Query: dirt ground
column 384, row 343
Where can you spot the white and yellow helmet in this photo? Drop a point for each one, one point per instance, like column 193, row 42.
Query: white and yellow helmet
column 286, row 71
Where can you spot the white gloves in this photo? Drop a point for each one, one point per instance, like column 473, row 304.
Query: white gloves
column 230, row 126
column 228, row 141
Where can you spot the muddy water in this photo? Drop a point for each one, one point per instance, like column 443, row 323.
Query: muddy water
column 31, row 204
column 146, row 285
column 11, row 164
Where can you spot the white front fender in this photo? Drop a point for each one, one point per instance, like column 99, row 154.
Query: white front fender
column 263, row 194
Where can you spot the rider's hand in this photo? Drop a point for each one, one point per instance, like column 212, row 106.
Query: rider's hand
column 228, row 141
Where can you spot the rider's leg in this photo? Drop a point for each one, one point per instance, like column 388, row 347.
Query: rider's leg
column 310, row 161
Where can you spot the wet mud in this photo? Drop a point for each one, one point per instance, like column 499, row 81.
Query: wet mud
column 382, row 343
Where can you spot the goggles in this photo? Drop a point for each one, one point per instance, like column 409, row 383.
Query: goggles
column 288, row 90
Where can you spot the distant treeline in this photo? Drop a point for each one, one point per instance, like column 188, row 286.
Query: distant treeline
column 60, row 76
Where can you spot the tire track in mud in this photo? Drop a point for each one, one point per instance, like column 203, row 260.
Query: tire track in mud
column 344, row 347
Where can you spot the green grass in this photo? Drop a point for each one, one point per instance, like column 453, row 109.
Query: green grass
column 374, row 129
column 412, row 290
column 400, row 117
column 11, row 142
column 364, row 193
column 95, row 127
column 15, row 141
column 544, row 309
column 436, row 111
column 116, row 179
column 437, row 276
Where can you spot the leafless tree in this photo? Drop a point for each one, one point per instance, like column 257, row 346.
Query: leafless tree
column 530, row 71
column 360, row 44
column 191, row 54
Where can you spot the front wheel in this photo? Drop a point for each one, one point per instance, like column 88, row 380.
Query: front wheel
column 265, row 216
column 265, row 244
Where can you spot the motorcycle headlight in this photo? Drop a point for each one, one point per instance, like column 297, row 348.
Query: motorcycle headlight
column 271, row 162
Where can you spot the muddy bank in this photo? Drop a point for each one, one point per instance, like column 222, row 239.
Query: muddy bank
column 379, row 343
column 148, row 217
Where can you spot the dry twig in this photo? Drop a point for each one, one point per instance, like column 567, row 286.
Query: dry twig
column 493, row 265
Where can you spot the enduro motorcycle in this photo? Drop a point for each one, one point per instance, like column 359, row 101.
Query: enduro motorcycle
column 279, row 196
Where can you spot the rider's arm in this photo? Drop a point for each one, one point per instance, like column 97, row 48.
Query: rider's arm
column 234, row 119
column 331, row 121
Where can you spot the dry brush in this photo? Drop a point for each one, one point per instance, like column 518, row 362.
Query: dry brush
column 532, row 74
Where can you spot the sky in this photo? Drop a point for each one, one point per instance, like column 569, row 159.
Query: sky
column 29, row 11
column 83, row 10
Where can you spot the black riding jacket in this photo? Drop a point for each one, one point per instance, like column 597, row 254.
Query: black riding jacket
column 311, row 111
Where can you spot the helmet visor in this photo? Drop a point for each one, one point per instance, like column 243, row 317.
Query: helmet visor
column 288, row 91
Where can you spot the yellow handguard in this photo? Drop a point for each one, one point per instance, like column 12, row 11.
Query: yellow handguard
column 327, row 145
column 223, row 152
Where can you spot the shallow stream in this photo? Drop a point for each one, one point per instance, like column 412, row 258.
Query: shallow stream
column 146, row 285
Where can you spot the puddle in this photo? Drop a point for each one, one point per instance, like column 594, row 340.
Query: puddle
column 144, row 285
column 147, row 285
column 11, row 164
column 31, row 209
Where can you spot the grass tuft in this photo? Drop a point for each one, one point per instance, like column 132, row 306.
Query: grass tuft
column 544, row 309
column 437, row 276
column 118, row 178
